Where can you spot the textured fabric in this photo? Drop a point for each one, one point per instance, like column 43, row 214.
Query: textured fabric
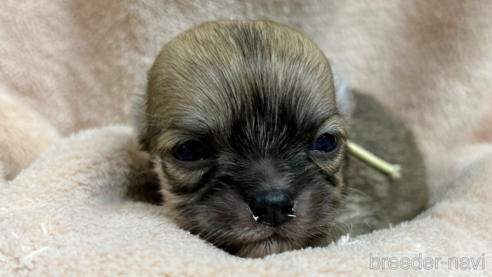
column 66, row 66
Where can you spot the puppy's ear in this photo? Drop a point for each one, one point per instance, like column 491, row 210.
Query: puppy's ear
column 139, row 100
column 343, row 94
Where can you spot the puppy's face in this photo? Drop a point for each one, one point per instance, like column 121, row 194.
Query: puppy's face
column 246, row 137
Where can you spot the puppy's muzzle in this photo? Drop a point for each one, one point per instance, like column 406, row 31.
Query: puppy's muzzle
column 272, row 207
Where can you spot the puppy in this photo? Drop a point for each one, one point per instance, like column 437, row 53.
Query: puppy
column 247, row 135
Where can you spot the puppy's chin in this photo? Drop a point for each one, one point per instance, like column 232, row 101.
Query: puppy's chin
column 274, row 244
column 271, row 245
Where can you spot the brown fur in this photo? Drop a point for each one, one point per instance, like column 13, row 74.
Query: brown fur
column 258, row 94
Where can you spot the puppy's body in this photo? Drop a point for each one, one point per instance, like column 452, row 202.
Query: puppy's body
column 248, row 140
column 372, row 200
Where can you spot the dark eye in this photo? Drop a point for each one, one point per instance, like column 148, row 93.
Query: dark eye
column 191, row 151
column 325, row 143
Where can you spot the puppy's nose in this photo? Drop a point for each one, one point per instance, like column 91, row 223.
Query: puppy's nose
column 272, row 207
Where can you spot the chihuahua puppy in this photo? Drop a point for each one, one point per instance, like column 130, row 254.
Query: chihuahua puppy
column 247, row 127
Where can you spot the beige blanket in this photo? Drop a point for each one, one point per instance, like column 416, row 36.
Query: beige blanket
column 66, row 66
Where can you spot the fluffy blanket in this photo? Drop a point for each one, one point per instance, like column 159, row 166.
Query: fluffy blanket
column 69, row 203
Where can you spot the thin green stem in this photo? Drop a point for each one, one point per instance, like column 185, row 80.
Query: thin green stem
column 393, row 170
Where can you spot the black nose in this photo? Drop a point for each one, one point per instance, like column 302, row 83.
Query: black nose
column 272, row 207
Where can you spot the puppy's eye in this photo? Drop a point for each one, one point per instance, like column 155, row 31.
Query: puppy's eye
column 191, row 151
column 325, row 143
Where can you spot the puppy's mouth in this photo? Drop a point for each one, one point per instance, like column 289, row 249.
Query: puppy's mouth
column 273, row 219
column 273, row 243
column 267, row 233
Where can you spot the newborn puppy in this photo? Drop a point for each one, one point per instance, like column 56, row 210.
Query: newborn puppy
column 249, row 142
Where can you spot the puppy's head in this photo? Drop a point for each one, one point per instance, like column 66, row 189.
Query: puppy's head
column 242, row 123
